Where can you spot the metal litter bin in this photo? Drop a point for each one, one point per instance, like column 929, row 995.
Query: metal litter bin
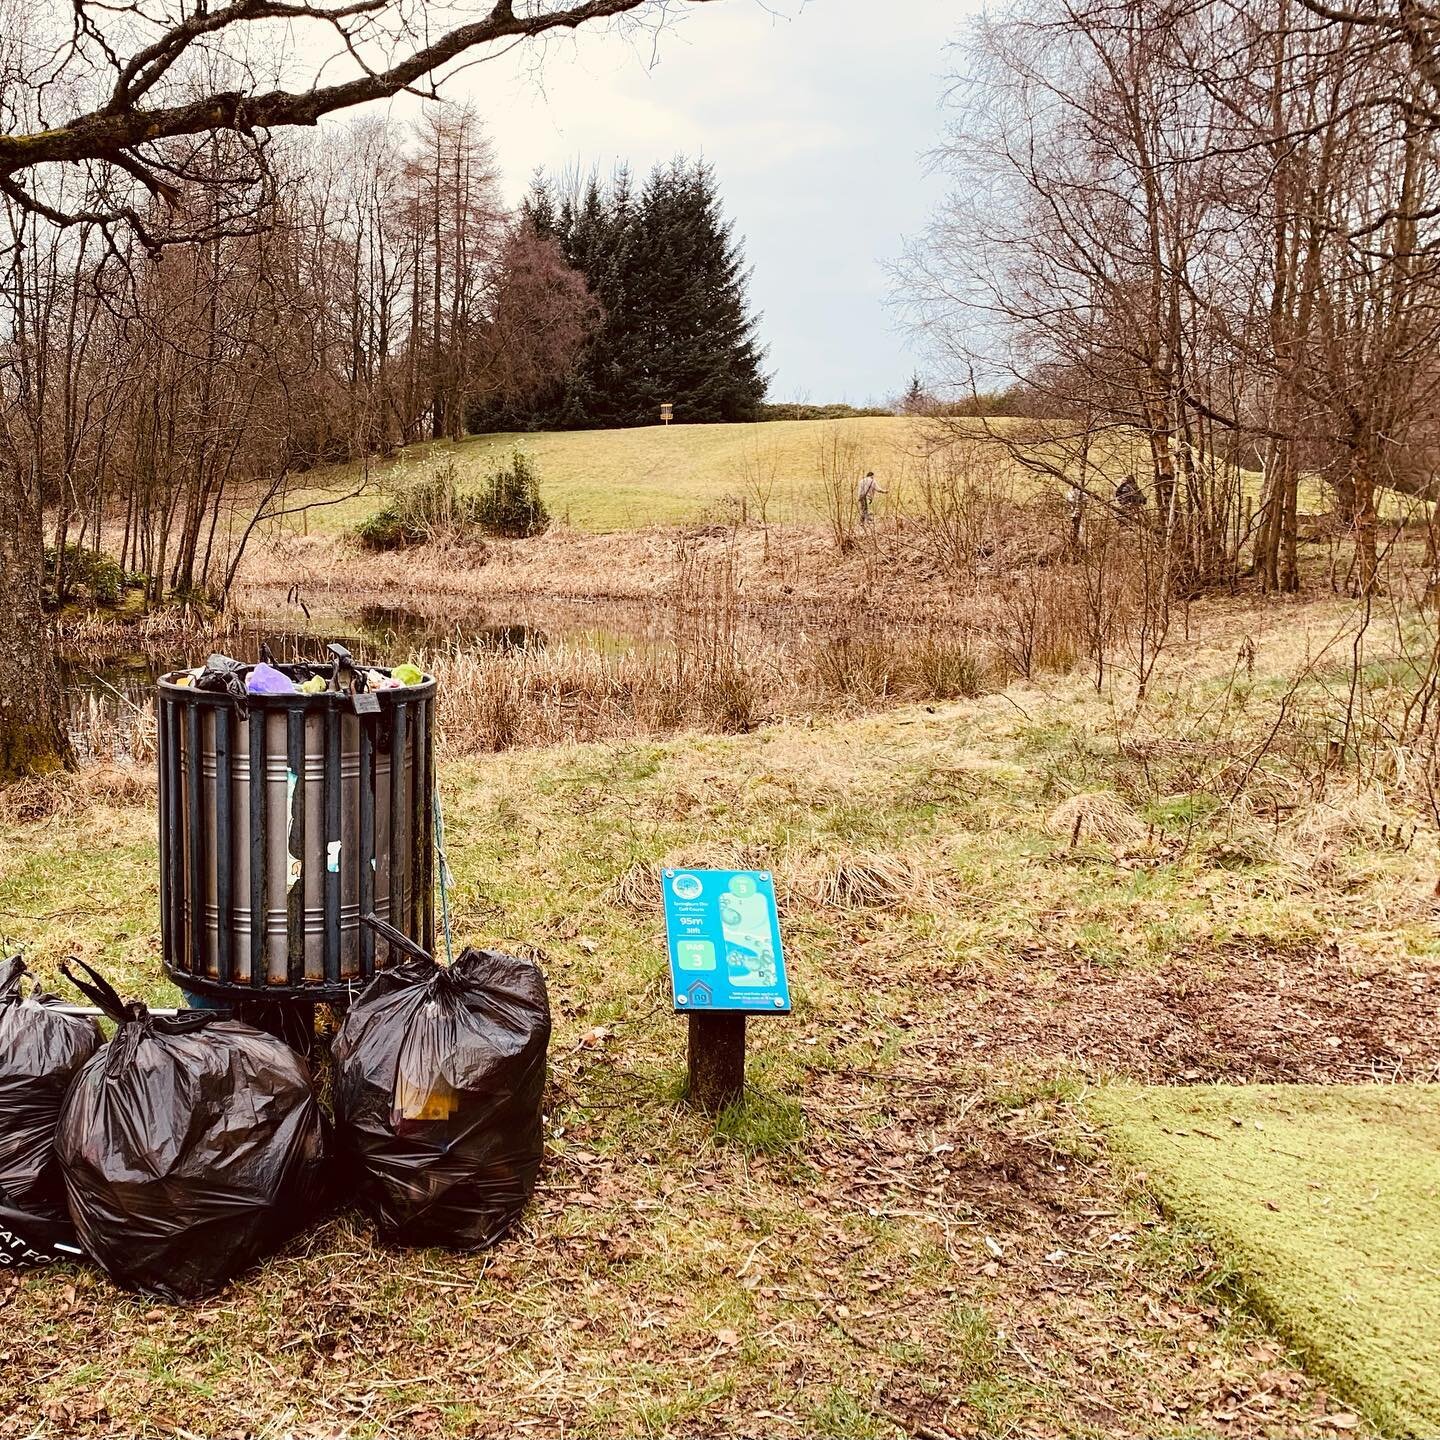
column 283, row 820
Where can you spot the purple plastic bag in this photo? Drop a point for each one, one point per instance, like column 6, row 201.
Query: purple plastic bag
column 267, row 680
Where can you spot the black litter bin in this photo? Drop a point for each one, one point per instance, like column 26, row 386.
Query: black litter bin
column 283, row 820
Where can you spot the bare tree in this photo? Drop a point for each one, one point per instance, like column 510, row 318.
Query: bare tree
column 111, row 114
column 1208, row 236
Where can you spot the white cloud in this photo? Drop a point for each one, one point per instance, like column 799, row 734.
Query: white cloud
column 816, row 115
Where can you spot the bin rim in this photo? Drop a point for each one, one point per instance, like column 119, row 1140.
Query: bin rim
column 166, row 686
column 243, row 992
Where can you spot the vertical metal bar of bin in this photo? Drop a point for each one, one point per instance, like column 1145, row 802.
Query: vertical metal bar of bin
column 259, row 850
column 419, row 809
column 366, row 859
column 399, row 853
column 224, row 873
column 175, row 879
column 162, row 805
column 333, row 843
column 195, row 823
column 427, row 866
column 295, row 883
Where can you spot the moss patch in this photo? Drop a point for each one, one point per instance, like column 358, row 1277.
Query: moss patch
column 1328, row 1201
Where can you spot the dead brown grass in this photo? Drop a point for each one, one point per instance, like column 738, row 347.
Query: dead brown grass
column 1099, row 815
column 40, row 797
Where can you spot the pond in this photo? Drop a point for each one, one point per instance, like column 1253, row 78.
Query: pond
column 105, row 691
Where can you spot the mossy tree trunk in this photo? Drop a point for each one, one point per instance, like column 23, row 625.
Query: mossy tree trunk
column 32, row 731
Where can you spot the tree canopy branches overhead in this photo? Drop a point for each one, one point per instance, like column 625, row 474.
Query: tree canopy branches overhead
column 133, row 89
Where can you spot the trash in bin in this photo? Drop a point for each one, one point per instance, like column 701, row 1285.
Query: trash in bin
column 408, row 674
column 221, row 674
column 192, row 1146
column 439, row 1076
column 41, row 1050
column 265, row 679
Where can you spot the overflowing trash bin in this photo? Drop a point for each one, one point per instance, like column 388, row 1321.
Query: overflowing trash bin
column 293, row 800
column 298, row 831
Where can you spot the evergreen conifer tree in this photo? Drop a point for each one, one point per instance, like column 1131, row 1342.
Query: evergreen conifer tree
column 671, row 280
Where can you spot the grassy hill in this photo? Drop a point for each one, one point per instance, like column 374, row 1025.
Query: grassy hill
column 617, row 479
column 610, row 480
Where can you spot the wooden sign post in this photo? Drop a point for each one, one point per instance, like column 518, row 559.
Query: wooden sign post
column 716, row 1059
column 726, row 963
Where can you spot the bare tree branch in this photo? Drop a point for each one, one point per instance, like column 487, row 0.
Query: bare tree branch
column 122, row 125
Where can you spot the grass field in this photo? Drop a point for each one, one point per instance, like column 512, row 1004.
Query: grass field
column 910, row 1226
column 609, row 480
column 1327, row 1202
column 618, row 479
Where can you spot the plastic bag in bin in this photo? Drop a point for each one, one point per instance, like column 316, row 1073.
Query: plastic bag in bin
column 42, row 1049
column 192, row 1147
column 439, row 1078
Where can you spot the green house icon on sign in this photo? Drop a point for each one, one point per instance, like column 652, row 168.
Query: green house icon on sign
column 699, row 993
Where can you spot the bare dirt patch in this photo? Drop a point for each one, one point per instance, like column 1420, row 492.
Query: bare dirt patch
column 1300, row 1015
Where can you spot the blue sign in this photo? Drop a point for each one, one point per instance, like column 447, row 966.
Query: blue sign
column 724, row 937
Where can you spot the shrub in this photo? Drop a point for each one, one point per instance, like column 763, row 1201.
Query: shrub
column 89, row 570
column 429, row 508
column 510, row 503
column 820, row 412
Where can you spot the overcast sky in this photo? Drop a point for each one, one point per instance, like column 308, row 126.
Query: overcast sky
column 816, row 115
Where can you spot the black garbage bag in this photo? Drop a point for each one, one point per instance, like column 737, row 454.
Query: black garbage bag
column 41, row 1051
column 28, row 1240
column 439, row 1076
column 192, row 1147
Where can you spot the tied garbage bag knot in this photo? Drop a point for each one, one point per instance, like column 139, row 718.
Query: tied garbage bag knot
column 439, row 1079
column 191, row 1147
column 42, row 1049
column 221, row 675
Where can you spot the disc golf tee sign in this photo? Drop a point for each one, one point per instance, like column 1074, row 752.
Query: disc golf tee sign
column 724, row 936
column 726, row 962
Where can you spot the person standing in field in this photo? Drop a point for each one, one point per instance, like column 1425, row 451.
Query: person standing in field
column 1129, row 496
column 866, row 495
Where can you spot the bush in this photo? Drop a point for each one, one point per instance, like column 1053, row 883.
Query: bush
column 431, row 507
column 819, row 412
column 510, row 503
column 89, row 570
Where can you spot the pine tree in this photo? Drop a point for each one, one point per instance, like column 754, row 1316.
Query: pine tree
column 671, row 280
column 916, row 399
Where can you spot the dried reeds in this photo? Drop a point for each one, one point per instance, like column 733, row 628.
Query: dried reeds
column 869, row 879
column 38, row 797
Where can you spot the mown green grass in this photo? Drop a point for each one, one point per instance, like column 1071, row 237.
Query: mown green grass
column 1328, row 1200
column 605, row 480
column 609, row 480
